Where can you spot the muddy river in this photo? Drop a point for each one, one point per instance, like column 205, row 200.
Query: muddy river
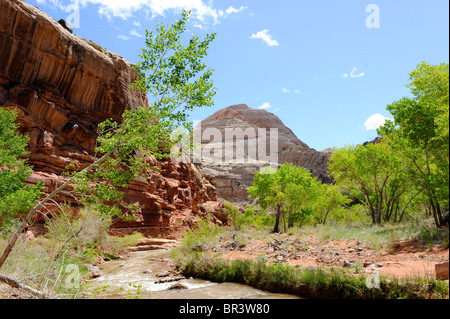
column 139, row 271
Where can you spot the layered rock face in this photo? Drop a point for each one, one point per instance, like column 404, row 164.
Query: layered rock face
column 62, row 87
column 238, row 140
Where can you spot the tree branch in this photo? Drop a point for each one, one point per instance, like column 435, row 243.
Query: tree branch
column 15, row 236
column 21, row 286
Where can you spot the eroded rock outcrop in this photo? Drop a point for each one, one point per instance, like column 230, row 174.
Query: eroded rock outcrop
column 62, row 87
column 233, row 177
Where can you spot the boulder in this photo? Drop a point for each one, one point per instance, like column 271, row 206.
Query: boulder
column 66, row 25
column 177, row 286
column 94, row 271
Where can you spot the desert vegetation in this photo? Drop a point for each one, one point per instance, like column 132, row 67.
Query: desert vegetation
column 202, row 254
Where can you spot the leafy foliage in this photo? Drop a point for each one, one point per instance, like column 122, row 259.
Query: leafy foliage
column 420, row 133
column 375, row 172
column 15, row 196
column 290, row 191
column 407, row 170
column 249, row 218
column 175, row 80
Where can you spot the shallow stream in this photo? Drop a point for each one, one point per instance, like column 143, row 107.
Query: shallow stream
column 141, row 269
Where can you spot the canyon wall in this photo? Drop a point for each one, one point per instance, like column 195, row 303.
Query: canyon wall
column 62, row 87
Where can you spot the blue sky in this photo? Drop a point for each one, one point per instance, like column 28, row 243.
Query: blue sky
column 315, row 64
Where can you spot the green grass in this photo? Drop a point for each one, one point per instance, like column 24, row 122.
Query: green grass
column 378, row 237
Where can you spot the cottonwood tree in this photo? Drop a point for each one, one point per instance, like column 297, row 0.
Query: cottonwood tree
column 268, row 193
column 420, row 133
column 288, row 190
column 330, row 199
column 375, row 172
column 175, row 80
column 302, row 191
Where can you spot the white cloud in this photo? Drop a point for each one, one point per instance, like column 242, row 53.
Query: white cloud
column 353, row 74
column 265, row 106
column 136, row 34
column 266, row 37
column 284, row 90
column 123, row 37
column 232, row 10
column 375, row 121
column 55, row 3
column 201, row 9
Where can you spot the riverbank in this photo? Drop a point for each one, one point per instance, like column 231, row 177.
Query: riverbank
column 311, row 267
column 152, row 275
column 311, row 283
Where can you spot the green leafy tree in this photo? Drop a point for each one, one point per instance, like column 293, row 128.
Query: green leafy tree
column 330, row 199
column 290, row 190
column 175, row 80
column 233, row 214
column 302, row 190
column 174, row 75
column 420, row 133
column 15, row 196
column 268, row 193
column 375, row 173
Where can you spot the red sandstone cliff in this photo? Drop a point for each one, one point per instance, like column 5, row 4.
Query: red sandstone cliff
column 62, row 87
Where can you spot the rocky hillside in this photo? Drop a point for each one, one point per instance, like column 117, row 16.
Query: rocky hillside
column 234, row 176
column 63, row 86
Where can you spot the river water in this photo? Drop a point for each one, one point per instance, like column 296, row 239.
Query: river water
column 141, row 269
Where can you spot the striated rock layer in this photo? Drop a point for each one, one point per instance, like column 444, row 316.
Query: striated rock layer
column 62, row 87
column 234, row 176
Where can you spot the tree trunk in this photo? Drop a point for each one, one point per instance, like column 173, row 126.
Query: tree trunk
column 277, row 220
column 290, row 221
column 372, row 213
column 396, row 213
column 326, row 215
column 19, row 285
column 439, row 214
column 434, row 211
